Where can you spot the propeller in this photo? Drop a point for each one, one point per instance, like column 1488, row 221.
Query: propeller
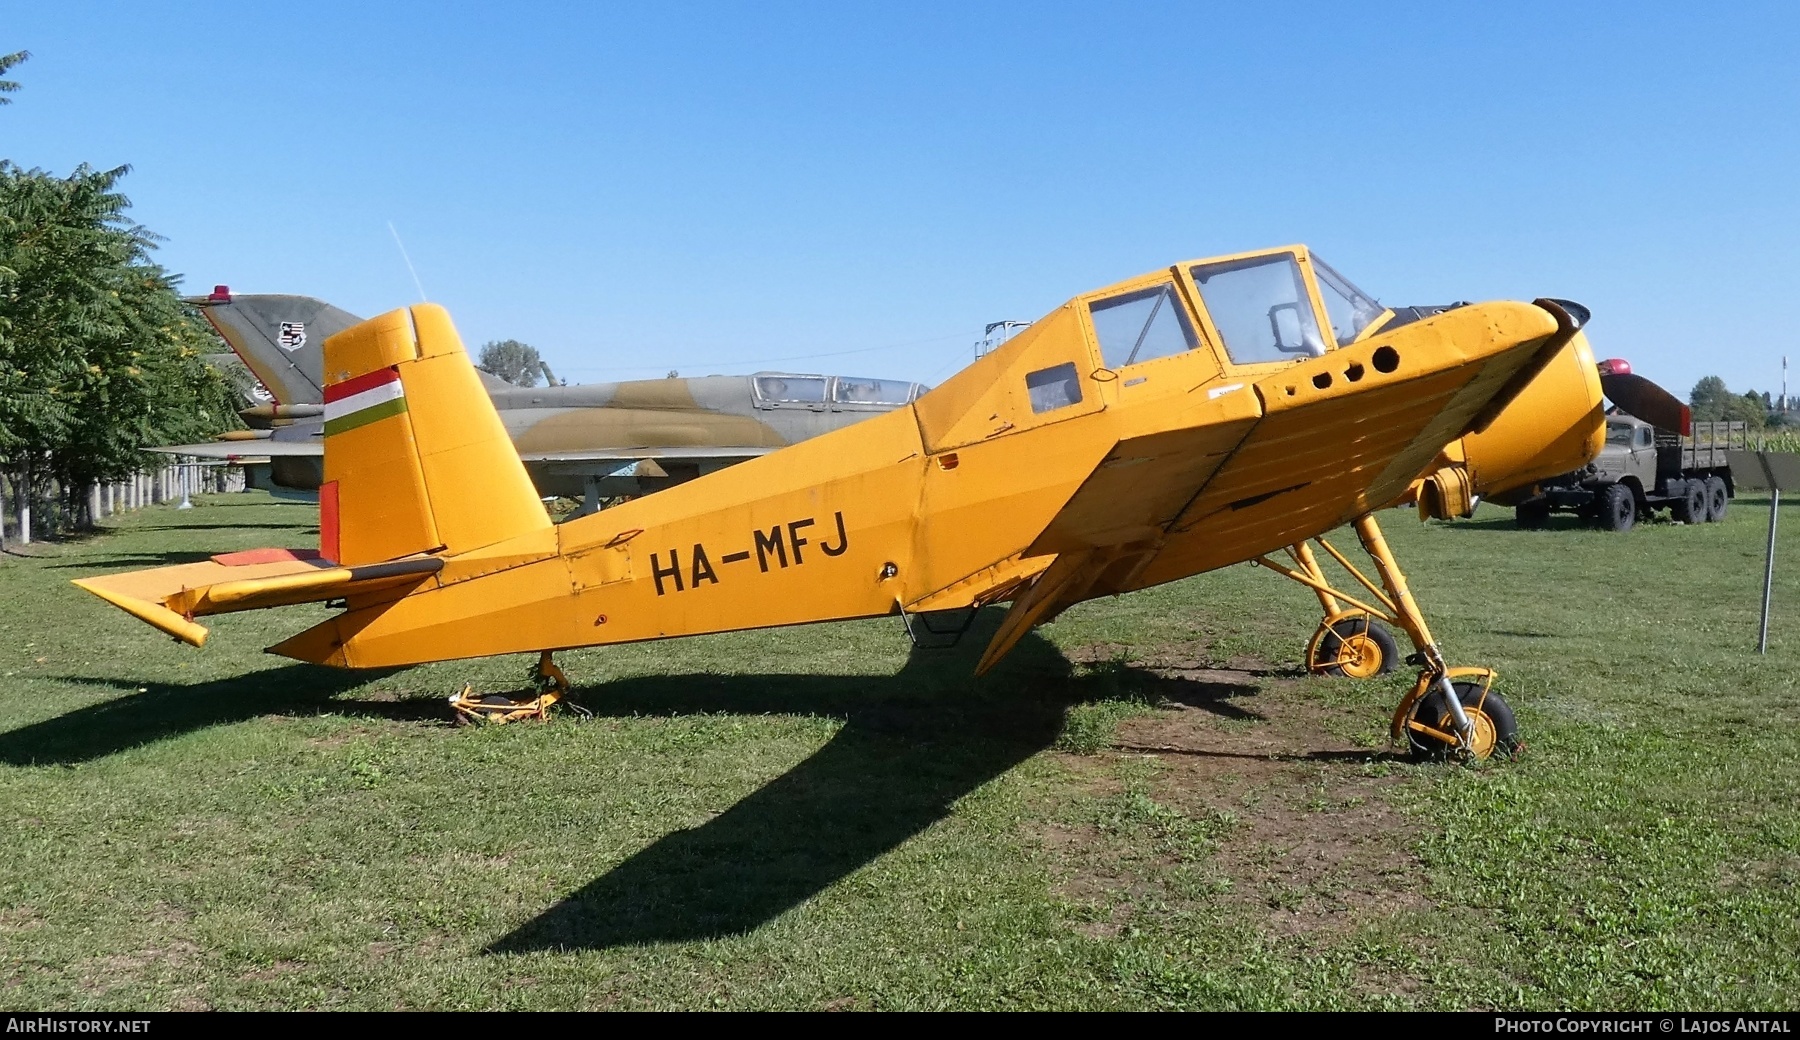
column 1638, row 396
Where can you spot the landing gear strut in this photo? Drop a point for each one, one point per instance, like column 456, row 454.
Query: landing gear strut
column 1449, row 711
column 548, row 685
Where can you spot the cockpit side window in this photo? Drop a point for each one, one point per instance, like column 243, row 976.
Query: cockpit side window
column 1261, row 308
column 1349, row 308
column 1053, row 388
column 1139, row 326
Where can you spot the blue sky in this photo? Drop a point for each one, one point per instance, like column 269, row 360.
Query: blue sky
column 641, row 187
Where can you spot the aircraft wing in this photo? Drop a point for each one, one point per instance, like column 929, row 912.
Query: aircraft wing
column 638, row 454
column 1271, row 468
column 232, row 451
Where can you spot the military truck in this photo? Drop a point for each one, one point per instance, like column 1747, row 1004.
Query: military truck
column 1642, row 469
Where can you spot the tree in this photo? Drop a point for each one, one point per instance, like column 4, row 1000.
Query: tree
column 1710, row 399
column 7, row 86
column 99, row 357
column 517, row 363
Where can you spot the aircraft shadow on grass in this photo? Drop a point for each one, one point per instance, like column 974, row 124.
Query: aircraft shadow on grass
column 912, row 744
column 165, row 710
column 100, row 563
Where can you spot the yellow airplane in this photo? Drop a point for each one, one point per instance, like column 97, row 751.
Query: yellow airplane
column 1204, row 414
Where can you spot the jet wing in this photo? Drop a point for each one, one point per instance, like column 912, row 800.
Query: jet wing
column 169, row 598
column 1278, row 458
column 232, row 451
column 698, row 454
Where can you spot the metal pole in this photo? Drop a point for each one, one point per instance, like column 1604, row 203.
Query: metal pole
column 185, row 474
column 1762, row 640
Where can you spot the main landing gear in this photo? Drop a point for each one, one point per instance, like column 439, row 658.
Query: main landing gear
column 1450, row 712
column 547, row 686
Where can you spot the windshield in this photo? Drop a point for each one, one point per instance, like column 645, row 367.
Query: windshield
column 1349, row 308
column 1619, row 433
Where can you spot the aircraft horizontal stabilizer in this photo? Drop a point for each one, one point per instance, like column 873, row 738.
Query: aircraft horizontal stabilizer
column 169, row 598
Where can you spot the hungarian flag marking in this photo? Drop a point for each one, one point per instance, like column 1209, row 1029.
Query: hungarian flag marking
column 368, row 398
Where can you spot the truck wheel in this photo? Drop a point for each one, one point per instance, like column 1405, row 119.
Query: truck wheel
column 1532, row 514
column 1495, row 728
column 1717, row 499
column 1690, row 508
column 1616, row 507
column 1359, row 647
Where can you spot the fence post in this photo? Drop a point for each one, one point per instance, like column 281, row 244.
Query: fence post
column 22, row 488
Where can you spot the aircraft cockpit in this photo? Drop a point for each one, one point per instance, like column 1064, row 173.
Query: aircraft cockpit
column 1267, row 308
column 818, row 393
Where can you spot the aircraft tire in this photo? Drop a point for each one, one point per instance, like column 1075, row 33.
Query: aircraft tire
column 1372, row 650
column 1718, row 499
column 1616, row 508
column 1496, row 730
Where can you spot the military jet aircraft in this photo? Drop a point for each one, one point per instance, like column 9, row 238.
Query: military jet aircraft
column 1167, row 425
column 591, row 441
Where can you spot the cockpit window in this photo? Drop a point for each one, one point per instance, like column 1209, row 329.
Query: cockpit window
column 871, row 391
column 781, row 389
column 1349, row 308
column 1261, row 308
column 1142, row 325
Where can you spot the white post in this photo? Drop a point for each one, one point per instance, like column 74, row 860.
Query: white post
column 23, row 488
column 1762, row 639
column 185, row 474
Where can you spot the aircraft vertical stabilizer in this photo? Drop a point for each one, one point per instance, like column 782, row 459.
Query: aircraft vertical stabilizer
column 416, row 459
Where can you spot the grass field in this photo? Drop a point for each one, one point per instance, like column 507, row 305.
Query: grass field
column 1146, row 806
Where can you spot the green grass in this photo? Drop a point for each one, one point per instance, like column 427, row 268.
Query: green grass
column 816, row 818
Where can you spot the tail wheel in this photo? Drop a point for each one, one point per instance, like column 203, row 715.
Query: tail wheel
column 1358, row 647
column 1496, row 731
column 1717, row 499
column 1616, row 508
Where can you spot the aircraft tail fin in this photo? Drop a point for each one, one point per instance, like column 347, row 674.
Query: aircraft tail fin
column 416, row 458
column 281, row 339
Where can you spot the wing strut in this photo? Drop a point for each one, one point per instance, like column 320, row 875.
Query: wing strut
column 1071, row 573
